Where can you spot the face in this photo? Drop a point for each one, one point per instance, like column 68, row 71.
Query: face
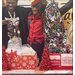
column 11, row 4
column 36, row 9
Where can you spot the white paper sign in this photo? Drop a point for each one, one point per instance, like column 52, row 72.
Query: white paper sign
column 66, row 60
column 57, row 72
column 21, row 72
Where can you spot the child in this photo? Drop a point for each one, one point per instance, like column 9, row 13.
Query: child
column 36, row 37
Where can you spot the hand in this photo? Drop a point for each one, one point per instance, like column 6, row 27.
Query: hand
column 11, row 29
column 4, row 22
column 17, row 25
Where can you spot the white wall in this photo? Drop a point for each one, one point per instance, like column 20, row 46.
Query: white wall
column 24, row 3
column 27, row 3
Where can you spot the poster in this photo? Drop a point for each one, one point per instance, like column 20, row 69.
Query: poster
column 68, row 24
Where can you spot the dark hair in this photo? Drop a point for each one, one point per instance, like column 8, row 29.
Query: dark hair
column 16, row 0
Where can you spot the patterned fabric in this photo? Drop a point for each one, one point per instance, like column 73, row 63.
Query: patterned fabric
column 55, row 37
column 22, row 61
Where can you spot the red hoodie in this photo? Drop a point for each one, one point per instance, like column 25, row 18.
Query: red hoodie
column 36, row 29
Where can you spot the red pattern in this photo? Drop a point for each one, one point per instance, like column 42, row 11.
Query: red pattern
column 22, row 62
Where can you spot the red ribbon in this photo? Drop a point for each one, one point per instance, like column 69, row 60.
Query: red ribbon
column 12, row 54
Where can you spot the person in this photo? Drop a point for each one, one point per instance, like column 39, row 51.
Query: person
column 13, row 11
column 36, row 37
column 54, row 31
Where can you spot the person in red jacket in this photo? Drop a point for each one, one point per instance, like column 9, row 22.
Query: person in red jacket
column 36, row 37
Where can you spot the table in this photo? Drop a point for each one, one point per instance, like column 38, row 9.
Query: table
column 35, row 72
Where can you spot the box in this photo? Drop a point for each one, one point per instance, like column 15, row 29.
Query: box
column 61, row 61
column 22, row 61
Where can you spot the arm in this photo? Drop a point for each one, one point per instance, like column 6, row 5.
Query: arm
column 66, row 7
column 4, row 22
